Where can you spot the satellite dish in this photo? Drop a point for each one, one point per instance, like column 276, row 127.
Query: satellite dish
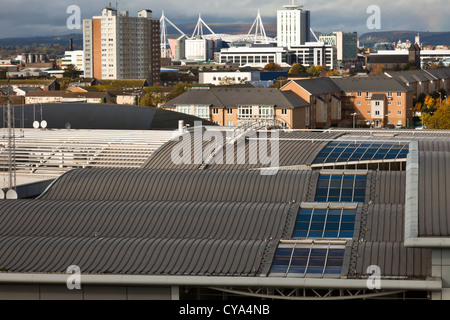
column 44, row 124
column 2, row 195
column 67, row 125
column 36, row 124
column 11, row 195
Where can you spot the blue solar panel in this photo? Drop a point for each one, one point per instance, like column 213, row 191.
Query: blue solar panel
column 341, row 188
column 307, row 260
column 315, row 223
column 344, row 151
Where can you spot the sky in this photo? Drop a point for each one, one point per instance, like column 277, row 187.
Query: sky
column 32, row 18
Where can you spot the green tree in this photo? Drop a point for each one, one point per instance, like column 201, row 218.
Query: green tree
column 436, row 113
column 313, row 71
column 71, row 72
column 297, row 69
column 272, row 66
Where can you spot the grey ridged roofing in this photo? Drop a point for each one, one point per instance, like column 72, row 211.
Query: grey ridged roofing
column 378, row 96
column 440, row 73
column 385, row 222
column 371, row 83
column 434, row 200
column 434, row 146
column 145, row 219
column 394, row 260
column 141, row 237
column 411, row 76
column 101, row 116
column 179, row 185
column 295, row 148
column 223, row 97
column 390, row 187
column 134, row 255
column 318, row 85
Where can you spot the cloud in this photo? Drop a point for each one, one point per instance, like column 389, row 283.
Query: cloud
column 24, row 18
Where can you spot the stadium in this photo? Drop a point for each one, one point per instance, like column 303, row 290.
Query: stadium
column 348, row 214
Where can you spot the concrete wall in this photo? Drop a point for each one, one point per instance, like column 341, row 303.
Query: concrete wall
column 60, row 292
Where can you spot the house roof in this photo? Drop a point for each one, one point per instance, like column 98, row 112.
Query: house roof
column 232, row 97
column 318, row 85
column 370, row 83
column 378, row 96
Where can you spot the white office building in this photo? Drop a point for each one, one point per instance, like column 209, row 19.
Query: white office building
column 75, row 58
column 314, row 54
column 254, row 56
column 293, row 26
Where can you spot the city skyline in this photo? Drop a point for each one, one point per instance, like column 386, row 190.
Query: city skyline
column 325, row 16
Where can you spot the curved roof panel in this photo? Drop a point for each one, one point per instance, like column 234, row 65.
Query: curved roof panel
column 180, row 185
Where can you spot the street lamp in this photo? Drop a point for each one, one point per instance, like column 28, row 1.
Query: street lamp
column 354, row 115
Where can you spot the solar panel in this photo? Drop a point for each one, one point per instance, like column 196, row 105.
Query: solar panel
column 345, row 151
column 320, row 223
column 341, row 188
column 308, row 260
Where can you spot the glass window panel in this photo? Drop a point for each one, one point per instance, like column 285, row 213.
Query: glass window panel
column 323, row 183
column 347, row 192
column 300, row 234
column 330, row 234
column 315, row 233
column 347, row 226
column 318, row 218
column 335, row 192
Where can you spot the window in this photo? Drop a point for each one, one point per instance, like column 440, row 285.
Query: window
column 230, row 123
column 368, row 95
column 359, row 94
column 300, row 260
column 324, row 223
column 245, row 112
column 229, row 111
column 343, row 151
column 184, row 109
column 399, row 103
column 389, row 95
column 266, row 112
column 358, row 103
column 284, row 112
column 399, row 94
column 202, row 112
column 377, row 113
column 368, row 111
column 341, row 188
column 399, row 112
column 215, row 110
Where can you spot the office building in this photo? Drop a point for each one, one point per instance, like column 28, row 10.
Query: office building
column 117, row 46
column 293, row 26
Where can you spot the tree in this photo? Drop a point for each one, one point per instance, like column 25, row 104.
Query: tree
column 71, row 72
column 314, row 71
column 154, row 97
column 333, row 73
column 377, row 69
column 179, row 89
column 436, row 113
column 272, row 66
column 297, row 69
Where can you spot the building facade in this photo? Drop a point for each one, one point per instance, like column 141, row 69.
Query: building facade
column 293, row 26
column 117, row 46
column 230, row 106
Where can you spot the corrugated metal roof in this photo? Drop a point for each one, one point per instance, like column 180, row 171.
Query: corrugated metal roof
column 295, row 148
column 394, row 260
column 434, row 200
column 434, row 146
column 146, row 219
column 389, row 187
column 385, row 222
column 180, row 185
column 133, row 255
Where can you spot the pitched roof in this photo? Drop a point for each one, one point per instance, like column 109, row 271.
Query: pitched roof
column 388, row 58
column 232, row 97
column 318, row 85
column 371, row 83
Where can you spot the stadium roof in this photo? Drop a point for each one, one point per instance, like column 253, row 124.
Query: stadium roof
column 229, row 227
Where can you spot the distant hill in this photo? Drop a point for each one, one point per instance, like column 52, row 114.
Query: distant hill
column 427, row 38
column 62, row 41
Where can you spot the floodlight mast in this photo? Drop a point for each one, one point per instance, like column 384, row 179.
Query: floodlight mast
column 165, row 53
